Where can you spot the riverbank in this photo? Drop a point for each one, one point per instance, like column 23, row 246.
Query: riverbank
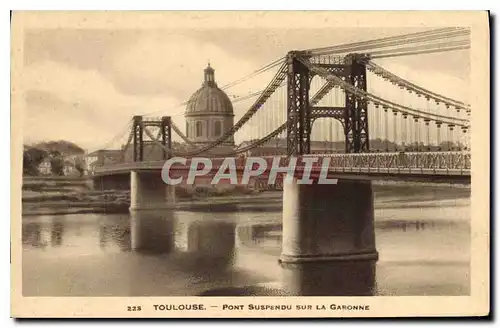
column 69, row 195
column 60, row 195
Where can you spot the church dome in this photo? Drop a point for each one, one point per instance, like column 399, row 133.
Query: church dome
column 209, row 99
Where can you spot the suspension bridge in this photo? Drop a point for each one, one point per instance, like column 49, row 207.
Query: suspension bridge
column 424, row 133
column 333, row 102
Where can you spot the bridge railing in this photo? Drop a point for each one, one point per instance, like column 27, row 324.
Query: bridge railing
column 428, row 163
column 430, row 160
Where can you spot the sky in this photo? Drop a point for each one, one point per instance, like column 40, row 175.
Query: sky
column 92, row 81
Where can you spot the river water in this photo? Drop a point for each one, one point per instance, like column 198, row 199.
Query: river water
column 422, row 236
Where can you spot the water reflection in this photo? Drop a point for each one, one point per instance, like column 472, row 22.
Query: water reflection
column 230, row 253
column 43, row 234
column 205, row 244
column 337, row 278
column 115, row 232
column 251, row 235
column 32, row 234
column 332, row 278
column 409, row 225
column 190, row 254
column 151, row 233
column 212, row 243
column 56, row 232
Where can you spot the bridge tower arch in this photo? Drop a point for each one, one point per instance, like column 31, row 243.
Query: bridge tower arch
column 301, row 113
column 141, row 136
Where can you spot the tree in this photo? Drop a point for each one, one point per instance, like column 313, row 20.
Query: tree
column 62, row 146
column 32, row 157
column 56, row 163
column 80, row 169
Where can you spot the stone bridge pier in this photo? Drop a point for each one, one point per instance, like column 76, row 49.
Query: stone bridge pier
column 329, row 238
column 328, row 231
column 324, row 222
column 149, row 192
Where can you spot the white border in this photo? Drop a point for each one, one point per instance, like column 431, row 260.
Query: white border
column 152, row 5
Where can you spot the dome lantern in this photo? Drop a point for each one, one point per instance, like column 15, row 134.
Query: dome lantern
column 209, row 76
column 209, row 98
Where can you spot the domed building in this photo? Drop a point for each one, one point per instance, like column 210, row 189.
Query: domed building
column 209, row 113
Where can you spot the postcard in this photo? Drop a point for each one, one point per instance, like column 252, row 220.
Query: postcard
column 245, row 164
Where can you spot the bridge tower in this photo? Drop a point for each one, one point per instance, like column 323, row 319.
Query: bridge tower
column 138, row 134
column 147, row 190
column 352, row 69
column 298, row 111
column 140, row 137
column 356, row 109
column 327, row 223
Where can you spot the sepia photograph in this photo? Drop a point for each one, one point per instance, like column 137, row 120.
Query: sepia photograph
column 234, row 164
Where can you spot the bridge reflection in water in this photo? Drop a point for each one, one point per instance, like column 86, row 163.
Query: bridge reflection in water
column 353, row 278
column 221, row 253
column 328, row 278
column 207, row 249
column 205, row 243
column 211, row 255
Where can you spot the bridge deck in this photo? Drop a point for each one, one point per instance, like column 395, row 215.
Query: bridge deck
column 399, row 166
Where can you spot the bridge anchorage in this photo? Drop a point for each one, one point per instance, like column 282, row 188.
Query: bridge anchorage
column 421, row 135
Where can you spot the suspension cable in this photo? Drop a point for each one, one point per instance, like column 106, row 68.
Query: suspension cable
column 254, row 73
column 422, row 52
column 115, row 137
column 426, row 46
column 233, row 152
column 272, row 86
column 391, row 41
column 361, row 93
column 379, row 70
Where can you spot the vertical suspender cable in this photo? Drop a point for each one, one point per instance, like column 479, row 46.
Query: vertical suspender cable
column 452, row 136
column 395, row 131
column 417, row 132
column 404, row 131
column 428, row 134
column 438, row 132
column 386, row 129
